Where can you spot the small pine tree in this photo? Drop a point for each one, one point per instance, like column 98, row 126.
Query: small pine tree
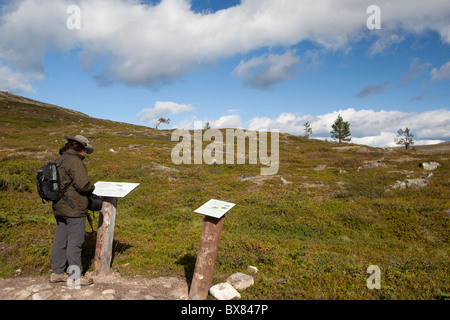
column 308, row 130
column 341, row 130
column 404, row 137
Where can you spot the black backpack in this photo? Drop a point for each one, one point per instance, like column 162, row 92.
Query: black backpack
column 48, row 183
column 49, row 188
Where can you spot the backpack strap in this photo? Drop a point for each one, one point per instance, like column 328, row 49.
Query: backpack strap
column 62, row 160
column 70, row 203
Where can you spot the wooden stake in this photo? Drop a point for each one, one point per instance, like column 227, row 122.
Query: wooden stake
column 105, row 236
column 206, row 258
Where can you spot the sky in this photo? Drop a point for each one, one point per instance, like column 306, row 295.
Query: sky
column 383, row 65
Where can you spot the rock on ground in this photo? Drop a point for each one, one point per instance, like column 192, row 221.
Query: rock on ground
column 224, row 291
column 411, row 184
column 252, row 270
column 429, row 166
column 240, row 281
column 416, row 183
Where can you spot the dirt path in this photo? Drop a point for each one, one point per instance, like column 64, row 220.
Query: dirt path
column 111, row 287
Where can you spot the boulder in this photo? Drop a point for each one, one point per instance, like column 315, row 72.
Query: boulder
column 399, row 185
column 411, row 184
column 416, row 183
column 240, row 281
column 429, row 166
column 224, row 291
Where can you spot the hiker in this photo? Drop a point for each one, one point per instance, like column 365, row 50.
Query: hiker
column 71, row 211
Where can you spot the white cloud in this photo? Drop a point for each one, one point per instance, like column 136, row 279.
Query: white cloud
column 162, row 108
column 14, row 81
column 138, row 43
column 441, row 74
column 264, row 71
column 374, row 128
column 231, row 121
column 29, row 29
column 187, row 123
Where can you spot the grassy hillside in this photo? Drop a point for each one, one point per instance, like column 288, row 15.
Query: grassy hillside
column 312, row 230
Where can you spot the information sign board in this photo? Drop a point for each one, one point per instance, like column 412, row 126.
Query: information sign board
column 215, row 208
column 114, row 189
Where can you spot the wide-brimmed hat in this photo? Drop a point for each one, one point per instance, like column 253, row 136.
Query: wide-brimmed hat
column 84, row 142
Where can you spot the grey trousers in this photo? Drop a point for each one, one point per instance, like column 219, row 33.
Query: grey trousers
column 66, row 248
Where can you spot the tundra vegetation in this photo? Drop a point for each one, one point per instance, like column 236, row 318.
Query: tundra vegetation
column 312, row 230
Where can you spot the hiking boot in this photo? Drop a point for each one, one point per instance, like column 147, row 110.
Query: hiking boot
column 83, row 281
column 55, row 277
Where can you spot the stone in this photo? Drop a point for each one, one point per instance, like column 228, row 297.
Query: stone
column 427, row 175
column 429, row 166
column 42, row 295
column 411, row 184
column 416, row 183
column 399, row 185
column 109, row 291
column 224, row 291
column 21, row 295
column 39, row 287
column 240, row 281
column 252, row 270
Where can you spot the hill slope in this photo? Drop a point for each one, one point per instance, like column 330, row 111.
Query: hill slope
column 312, row 229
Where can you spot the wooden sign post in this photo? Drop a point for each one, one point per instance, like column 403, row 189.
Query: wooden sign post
column 105, row 237
column 110, row 192
column 214, row 212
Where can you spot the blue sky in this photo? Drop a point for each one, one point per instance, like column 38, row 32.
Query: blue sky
column 252, row 64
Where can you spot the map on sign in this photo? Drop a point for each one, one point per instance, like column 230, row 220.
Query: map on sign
column 114, row 189
column 215, row 208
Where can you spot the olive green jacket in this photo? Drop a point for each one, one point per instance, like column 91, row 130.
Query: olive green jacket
column 74, row 177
